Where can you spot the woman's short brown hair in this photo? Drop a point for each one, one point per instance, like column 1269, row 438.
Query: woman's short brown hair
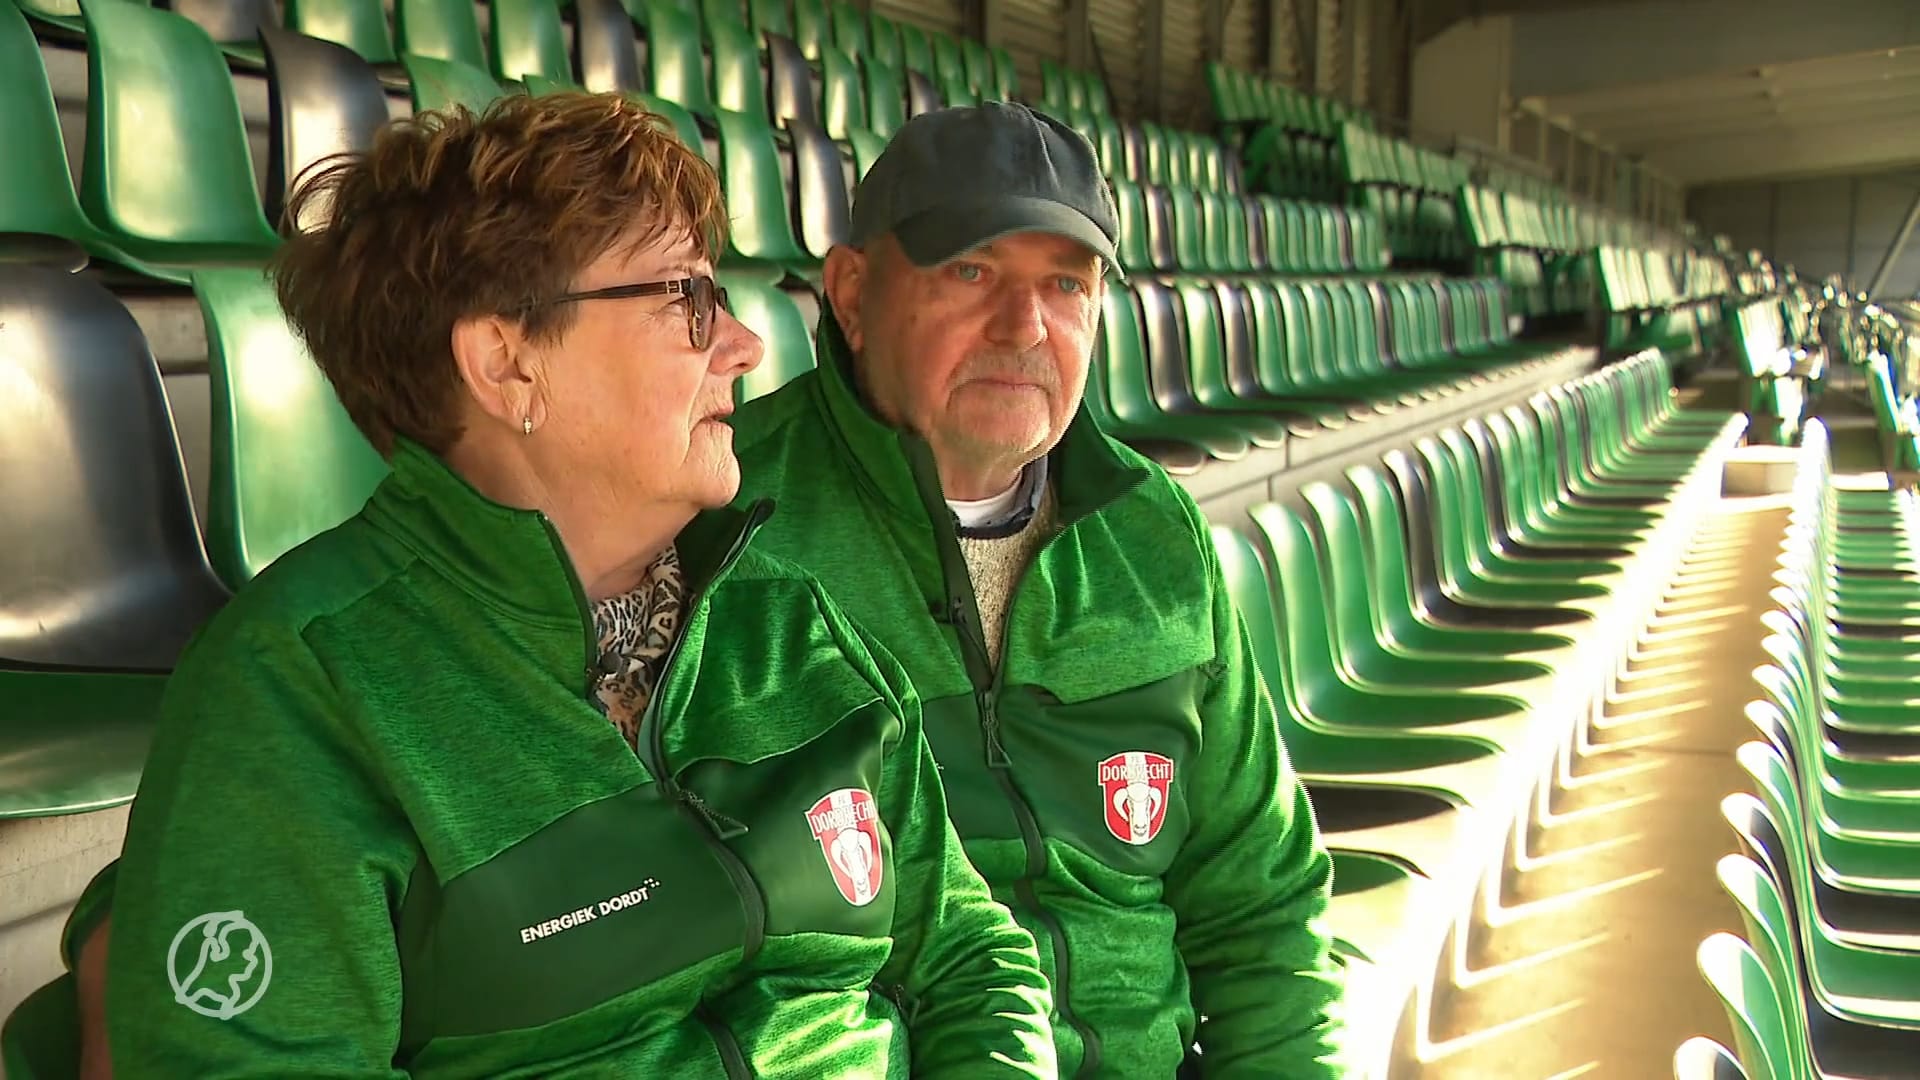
column 452, row 215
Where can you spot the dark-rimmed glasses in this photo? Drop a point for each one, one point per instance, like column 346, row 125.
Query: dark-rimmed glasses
column 704, row 300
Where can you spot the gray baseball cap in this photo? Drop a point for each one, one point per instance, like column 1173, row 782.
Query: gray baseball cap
column 953, row 179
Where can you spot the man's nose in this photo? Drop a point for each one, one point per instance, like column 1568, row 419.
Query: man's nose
column 1018, row 318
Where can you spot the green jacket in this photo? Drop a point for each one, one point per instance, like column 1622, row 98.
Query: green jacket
column 1121, row 638
column 385, row 757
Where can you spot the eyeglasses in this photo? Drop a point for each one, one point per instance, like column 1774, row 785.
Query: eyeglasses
column 704, row 298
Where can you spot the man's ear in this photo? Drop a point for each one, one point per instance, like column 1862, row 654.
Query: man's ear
column 499, row 370
column 845, row 277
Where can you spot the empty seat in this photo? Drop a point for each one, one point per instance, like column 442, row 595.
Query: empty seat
column 771, row 314
column 442, row 84
column 528, row 40
column 883, row 43
column 234, row 25
column 102, row 577
column 812, row 27
column 604, row 49
column 843, row 98
column 676, row 70
column 360, row 25
column 323, row 99
column 286, row 463
column 738, row 84
column 770, row 17
column 820, row 190
column 761, row 236
column 923, row 94
column 168, row 173
column 850, row 30
column 916, row 49
column 886, row 96
column 979, row 65
column 790, row 83
column 40, row 217
column 441, row 29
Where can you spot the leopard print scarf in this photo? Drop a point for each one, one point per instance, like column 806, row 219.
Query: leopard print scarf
column 637, row 627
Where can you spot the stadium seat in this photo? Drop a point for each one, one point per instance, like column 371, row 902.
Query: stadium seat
column 812, row 28
column 604, row 49
column 820, row 196
column 843, row 99
column 360, row 25
column 442, row 84
column 883, row 42
column 1752, row 1004
column 979, row 68
column 234, row 25
column 949, row 65
column 771, row 314
column 94, row 619
column 761, row 237
column 440, row 29
column 886, row 94
column 528, row 40
column 1120, row 398
column 850, row 30
column 676, row 69
column 771, row 17
column 323, row 99
column 1700, row 1058
column 40, row 217
column 1006, row 79
column 168, row 173
column 923, row 94
column 1174, row 346
column 739, row 85
column 867, row 148
column 286, row 463
column 916, row 50
column 790, row 92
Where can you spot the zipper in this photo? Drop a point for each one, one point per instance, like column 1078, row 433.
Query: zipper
column 963, row 611
column 731, row 1056
column 714, row 827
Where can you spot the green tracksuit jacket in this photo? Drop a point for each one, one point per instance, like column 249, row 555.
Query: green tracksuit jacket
column 384, row 831
column 1124, row 661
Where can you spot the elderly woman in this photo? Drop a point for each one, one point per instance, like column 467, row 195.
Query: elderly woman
column 534, row 766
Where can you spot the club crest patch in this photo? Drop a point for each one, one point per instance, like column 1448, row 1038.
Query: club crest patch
column 1134, row 787
column 847, row 824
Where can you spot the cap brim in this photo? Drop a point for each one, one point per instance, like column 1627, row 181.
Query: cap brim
column 937, row 235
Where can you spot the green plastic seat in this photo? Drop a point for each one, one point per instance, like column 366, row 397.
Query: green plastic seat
column 1006, row 78
column 528, row 40
column 1700, row 1058
column 360, row 25
column 916, row 50
column 41, row 1038
column 850, row 31
column 771, row 314
column 867, row 148
column 812, row 27
column 883, row 41
column 1186, row 360
column 1752, row 1004
column 714, row 12
column 955, row 93
column 1327, row 691
column 38, row 206
column 773, row 17
column 761, row 236
column 285, row 462
column 886, row 99
column 843, row 100
column 440, row 29
column 682, row 121
column 676, row 70
column 949, row 63
column 979, row 66
column 442, row 84
column 1118, row 380
column 168, row 175
column 739, row 85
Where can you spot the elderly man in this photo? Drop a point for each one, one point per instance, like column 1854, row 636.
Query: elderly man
column 1109, row 753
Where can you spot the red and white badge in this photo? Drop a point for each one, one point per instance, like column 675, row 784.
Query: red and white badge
column 847, row 824
column 1134, row 787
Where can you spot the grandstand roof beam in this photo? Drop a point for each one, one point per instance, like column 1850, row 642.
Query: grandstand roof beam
column 1571, row 49
column 1826, row 147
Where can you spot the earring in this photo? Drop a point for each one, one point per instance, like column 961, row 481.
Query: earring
column 526, row 425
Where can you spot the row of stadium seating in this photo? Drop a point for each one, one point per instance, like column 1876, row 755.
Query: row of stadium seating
column 1825, row 979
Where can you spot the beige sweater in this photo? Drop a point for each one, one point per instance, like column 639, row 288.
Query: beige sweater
column 996, row 565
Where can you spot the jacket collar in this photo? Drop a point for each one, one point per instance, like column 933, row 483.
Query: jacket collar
column 1086, row 470
column 511, row 559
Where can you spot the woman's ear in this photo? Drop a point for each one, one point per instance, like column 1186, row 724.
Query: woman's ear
column 500, row 371
column 845, row 276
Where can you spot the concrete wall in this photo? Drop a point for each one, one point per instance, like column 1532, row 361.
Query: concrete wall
column 1822, row 225
column 1459, row 84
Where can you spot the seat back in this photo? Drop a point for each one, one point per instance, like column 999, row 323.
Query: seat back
column 100, row 557
column 770, row 17
column 755, row 192
column 604, row 48
column 528, row 40
column 360, row 25
column 916, row 50
column 228, row 21
column 441, row 29
column 36, row 188
column 850, row 29
column 843, row 100
column 771, row 314
column 285, row 463
column 442, row 84
column 812, row 29
column 1300, row 593
column 790, row 82
column 168, row 170
column 1167, row 347
column 820, row 189
column 322, row 99
column 883, row 42
column 1751, row 1001
column 676, row 69
column 886, row 98
column 1356, row 621
column 738, row 83
column 1700, row 1058
column 923, row 94
column 1238, row 320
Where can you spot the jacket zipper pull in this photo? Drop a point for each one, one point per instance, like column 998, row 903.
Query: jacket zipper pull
column 990, row 722
column 726, row 827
